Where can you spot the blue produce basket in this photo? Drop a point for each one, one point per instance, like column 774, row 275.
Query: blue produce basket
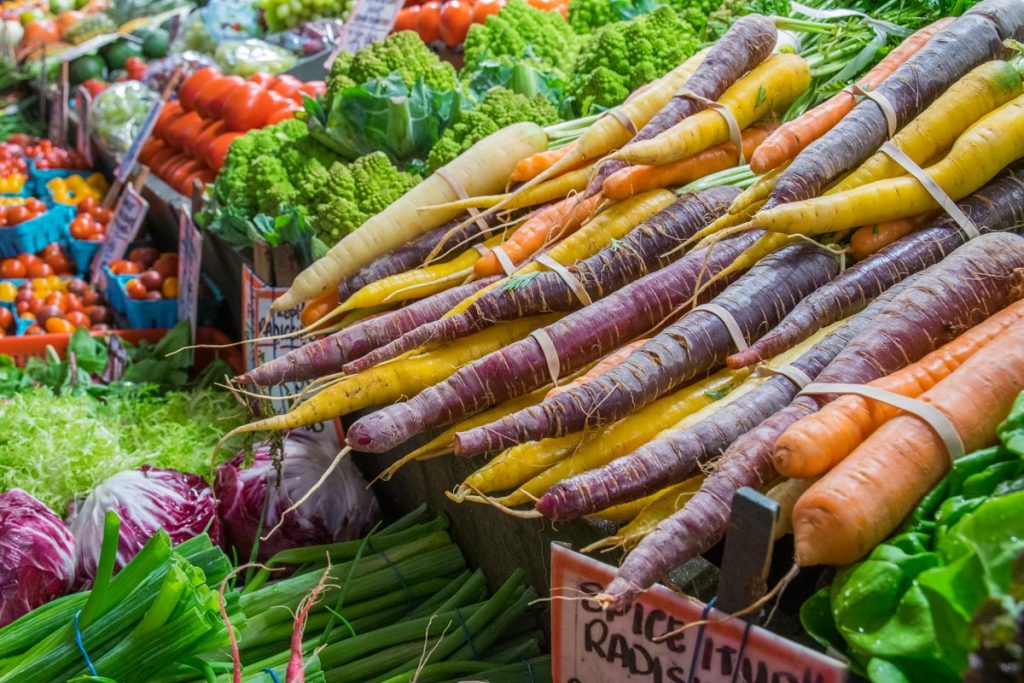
column 144, row 314
column 115, row 293
column 38, row 178
column 82, row 252
column 26, row 191
column 209, row 307
column 31, row 236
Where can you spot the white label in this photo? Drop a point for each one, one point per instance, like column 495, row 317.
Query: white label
column 593, row 646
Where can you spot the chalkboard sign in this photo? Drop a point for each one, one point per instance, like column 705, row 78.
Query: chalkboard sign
column 590, row 645
column 124, row 226
column 190, row 259
column 369, row 22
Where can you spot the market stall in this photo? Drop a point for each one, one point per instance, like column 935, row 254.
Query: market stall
column 511, row 340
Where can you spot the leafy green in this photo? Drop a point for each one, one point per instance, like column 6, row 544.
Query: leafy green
column 521, row 77
column 905, row 612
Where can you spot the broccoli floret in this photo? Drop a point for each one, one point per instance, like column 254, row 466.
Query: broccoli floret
column 521, row 32
column 586, row 16
column 233, row 187
column 378, row 183
column 500, row 107
column 336, row 218
column 271, row 185
column 403, row 52
column 356, row 192
column 621, row 57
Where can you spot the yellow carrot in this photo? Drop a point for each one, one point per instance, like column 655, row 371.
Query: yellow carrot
column 548, row 191
column 645, row 514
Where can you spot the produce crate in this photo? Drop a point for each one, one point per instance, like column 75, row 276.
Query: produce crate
column 38, row 178
column 31, row 236
column 141, row 314
column 82, row 252
column 23, row 348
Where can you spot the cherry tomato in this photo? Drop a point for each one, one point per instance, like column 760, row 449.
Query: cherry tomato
column 485, row 8
column 428, row 24
column 123, row 267
column 87, row 205
column 407, row 18
column 17, row 214
column 136, row 289
column 39, row 269
column 193, row 84
column 81, row 227
column 456, row 17
column 103, row 215
column 6, row 318
column 248, row 108
column 58, row 299
column 60, row 264
column 78, row 319
column 33, row 330
column 59, row 326
column 73, row 303
column 29, row 259
column 170, row 288
column 12, row 268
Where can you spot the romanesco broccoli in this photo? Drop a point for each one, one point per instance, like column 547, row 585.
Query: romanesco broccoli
column 500, row 107
column 521, row 32
column 403, row 52
column 232, row 187
column 587, row 16
column 356, row 192
column 270, row 185
column 621, row 57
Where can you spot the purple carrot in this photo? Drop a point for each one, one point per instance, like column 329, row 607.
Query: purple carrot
column 648, row 247
column 695, row 345
column 972, row 283
column 578, row 338
column 412, row 254
column 327, row 355
column 999, row 205
column 747, row 43
column 973, row 38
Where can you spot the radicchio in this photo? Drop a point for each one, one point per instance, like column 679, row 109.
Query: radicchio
column 340, row 510
column 37, row 555
column 147, row 499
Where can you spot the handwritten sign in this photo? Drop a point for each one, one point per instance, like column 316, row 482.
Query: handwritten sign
column 369, row 22
column 58, row 131
column 86, row 48
column 590, row 645
column 124, row 226
column 190, row 258
column 83, row 144
column 131, row 156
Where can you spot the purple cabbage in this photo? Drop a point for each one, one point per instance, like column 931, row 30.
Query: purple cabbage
column 37, row 555
column 340, row 510
column 147, row 499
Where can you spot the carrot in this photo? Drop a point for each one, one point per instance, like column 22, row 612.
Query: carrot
column 414, row 253
column 327, row 355
column 696, row 344
column 997, row 206
column 866, row 496
column 786, row 493
column 535, row 164
column 789, row 139
column 818, row 442
column 553, row 189
column 606, row 363
column 389, row 383
column 644, row 515
column 747, row 43
column 868, row 239
column 531, row 290
column 318, row 308
column 971, row 39
column 543, row 227
column 518, row 368
column 978, row 155
column 934, row 130
column 633, row 179
column 772, row 84
column 481, row 169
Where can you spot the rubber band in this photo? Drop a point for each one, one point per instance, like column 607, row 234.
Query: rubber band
column 550, row 353
column 700, row 639
column 931, row 415
column 469, row 636
column 481, row 249
column 273, row 676
column 621, row 117
column 503, row 260
column 530, row 670
column 791, row 372
column 81, row 646
column 735, row 134
column 574, row 283
column 409, row 599
column 728, row 320
column 937, row 193
column 888, row 111
column 461, row 193
column 741, row 650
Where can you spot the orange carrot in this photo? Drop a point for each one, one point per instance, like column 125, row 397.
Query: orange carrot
column 535, row 164
column 603, row 366
column 865, row 498
column 635, row 179
column 868, row 239
column 319, row 307
column 545, row 226
column 791, row 138
column 816, row 443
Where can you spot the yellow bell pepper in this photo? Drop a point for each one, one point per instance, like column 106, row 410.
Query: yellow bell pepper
column 73, row 189
column 12, row 183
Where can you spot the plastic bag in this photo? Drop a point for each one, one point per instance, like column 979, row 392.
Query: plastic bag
column 247, row 57
column 118, row 112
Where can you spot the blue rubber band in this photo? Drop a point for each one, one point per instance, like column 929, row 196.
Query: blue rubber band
column 273, row 675
column 81, row 646
column 469, row 636
column 700, row 639
column 739, row 654
column 530, row 670
column 409, row 601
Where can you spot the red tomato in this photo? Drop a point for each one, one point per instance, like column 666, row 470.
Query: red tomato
column 12, row 268
column 428, row 24
column 136, row 289
column 208, row 131
column 282, row 114
column 6, row 318
column 285, row 85
column 17, row 214
column 248, row 108
column 123, row 267
column 407, row 18
column 184, row 129
column 193, row 84
column 34, row 330
column 181, row 172
column 261, row 78
column 485, row 8
column 39, row 270
column 29, row 259
column 456, row 17
column 171, row 112
column 217, row 150
column 78, row 319
column 210, row 100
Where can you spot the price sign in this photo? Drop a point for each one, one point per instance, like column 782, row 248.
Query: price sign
column 124, row 226
column 190, row 258
column 590, row 645
column 370, row 21
column 83, row 103
column 58, row 131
